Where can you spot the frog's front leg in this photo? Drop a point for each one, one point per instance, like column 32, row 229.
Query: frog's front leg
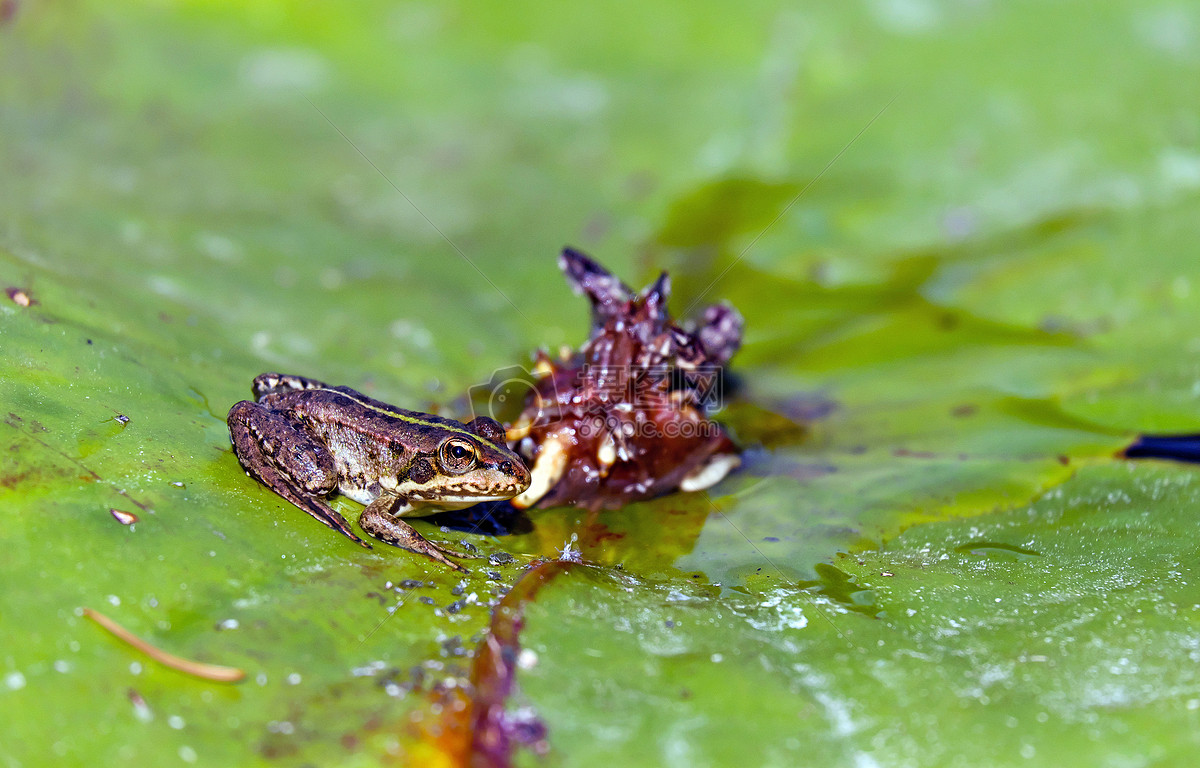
column 287, row 461
column 379, row 519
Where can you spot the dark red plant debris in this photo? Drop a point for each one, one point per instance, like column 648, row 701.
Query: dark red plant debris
column 496, row 732
column 624, row 418
column 476, row 728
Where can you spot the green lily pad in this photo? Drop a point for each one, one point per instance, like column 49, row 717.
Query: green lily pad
column 964, row 240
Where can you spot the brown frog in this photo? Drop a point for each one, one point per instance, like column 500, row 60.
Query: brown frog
column 305, row 440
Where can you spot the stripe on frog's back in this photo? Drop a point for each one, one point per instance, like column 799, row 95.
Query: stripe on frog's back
column 411, row 417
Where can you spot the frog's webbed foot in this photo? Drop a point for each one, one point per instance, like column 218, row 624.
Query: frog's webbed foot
column 377, row 519
column 257, row 435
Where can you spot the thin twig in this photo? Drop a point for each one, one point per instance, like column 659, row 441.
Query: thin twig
column 213, row 672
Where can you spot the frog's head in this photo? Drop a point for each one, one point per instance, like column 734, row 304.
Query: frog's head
column 466, row 464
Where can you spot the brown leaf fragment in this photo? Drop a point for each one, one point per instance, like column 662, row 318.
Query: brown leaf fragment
column 625, row 417
column 141, row 709
column 19, row 297
column 123, row 517
column 212, row 672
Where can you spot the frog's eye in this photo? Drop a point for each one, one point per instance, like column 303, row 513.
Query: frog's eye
column 456, row 456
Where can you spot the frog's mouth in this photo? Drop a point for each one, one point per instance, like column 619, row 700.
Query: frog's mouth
column 461, row 501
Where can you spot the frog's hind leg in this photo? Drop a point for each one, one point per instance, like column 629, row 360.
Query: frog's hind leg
column 292, row 465
column 379, row 520
column 320, row 510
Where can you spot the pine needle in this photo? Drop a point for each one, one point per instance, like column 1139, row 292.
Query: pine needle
column 195, row 668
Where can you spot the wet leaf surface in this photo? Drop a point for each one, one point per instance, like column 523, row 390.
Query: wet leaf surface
column 932, row 555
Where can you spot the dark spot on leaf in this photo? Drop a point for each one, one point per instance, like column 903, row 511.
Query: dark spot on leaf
column 453, row 647
column 967, row 409
column 838, row 585
column 12, row 480
column 906, row 453
column 809, row 406
column 996, row 549
column 606, row 535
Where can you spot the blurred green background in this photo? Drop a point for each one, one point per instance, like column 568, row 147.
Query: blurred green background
column 964, row 238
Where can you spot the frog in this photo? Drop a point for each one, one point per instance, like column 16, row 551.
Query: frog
column 306, row 440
